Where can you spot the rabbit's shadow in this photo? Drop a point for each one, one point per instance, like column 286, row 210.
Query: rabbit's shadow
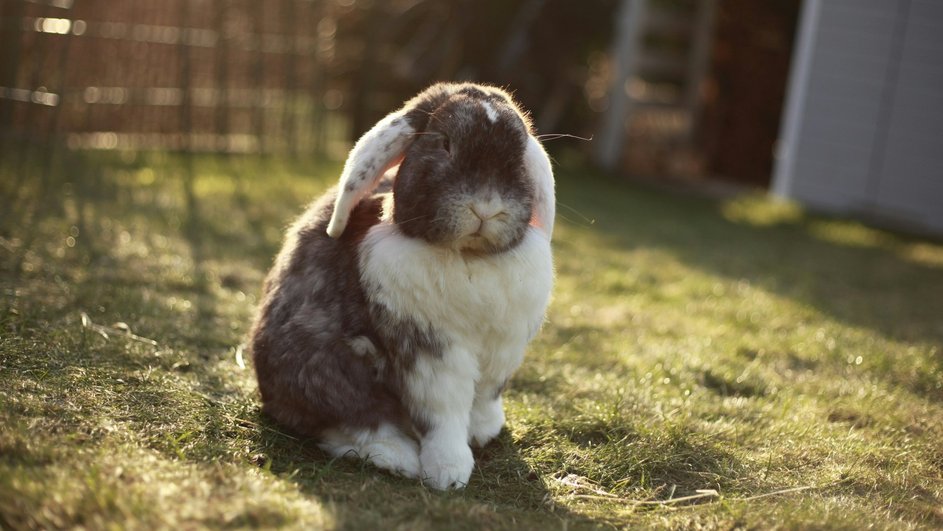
column 502, row 481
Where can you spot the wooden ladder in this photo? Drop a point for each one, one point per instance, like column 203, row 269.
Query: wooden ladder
column 660, row 52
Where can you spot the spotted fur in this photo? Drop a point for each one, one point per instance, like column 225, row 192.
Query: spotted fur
column 390, row 323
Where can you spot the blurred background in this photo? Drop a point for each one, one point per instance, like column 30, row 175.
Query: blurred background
column 298, row 77
column 836, row 103
column 705, row 336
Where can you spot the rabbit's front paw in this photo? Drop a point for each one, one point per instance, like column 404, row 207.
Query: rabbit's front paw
column 397, row 454
column 446, row 464
column 487, row 419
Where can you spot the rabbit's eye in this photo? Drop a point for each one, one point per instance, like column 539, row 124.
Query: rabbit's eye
column 445, row 144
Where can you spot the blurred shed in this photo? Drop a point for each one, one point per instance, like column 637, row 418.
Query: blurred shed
column 863, row 125
column 835, row 103
column 696, row 88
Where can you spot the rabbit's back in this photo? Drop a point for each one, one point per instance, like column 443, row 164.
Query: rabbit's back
column 316, row 354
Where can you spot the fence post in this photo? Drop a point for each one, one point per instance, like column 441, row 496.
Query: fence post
column 290, row 103
column 11, row 35
column 222, row 75
column 258, row 77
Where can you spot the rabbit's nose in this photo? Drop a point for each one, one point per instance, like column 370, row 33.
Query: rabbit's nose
column 486, row 211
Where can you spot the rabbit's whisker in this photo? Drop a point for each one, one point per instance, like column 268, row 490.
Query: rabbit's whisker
column 588, row 221
column 411, row 219
column 555, row 136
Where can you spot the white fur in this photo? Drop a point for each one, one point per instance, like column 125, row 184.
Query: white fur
column 537, row 164
column 487, row 308
column 386, row 447
column 489, row 110
column 441, row 390
column 487, row 419
column 375, row 152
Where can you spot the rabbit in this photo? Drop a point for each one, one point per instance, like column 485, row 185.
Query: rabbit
column 403, row 299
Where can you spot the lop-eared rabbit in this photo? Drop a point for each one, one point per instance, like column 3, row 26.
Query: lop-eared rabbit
column 403, row 299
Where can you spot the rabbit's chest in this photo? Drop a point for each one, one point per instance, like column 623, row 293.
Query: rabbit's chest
column 482, row 302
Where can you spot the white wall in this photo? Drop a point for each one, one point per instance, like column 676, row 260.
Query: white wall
column 863, row 123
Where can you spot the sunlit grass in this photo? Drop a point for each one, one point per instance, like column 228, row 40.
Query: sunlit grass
column 784, row 367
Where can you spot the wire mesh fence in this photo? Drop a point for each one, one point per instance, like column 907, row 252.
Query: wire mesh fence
column 96, row 94
column 188, row 75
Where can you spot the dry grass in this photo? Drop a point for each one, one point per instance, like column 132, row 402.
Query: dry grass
column 705, row 364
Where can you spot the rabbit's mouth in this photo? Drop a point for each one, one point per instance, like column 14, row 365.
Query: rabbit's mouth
column 488, row 236
column 487, row 224
column 473, row 222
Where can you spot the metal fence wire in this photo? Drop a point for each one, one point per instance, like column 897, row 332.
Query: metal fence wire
column 185, row 75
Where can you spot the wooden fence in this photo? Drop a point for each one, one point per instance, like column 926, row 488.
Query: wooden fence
column 189, row 75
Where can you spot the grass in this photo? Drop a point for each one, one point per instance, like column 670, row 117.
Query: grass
column 774, row 368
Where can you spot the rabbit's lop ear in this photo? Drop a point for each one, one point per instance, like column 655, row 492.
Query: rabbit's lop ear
column 537, row 165
column 376, row 151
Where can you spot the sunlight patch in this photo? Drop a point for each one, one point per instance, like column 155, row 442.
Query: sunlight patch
column 760, row 211
column 924, row 254
column 848, row 233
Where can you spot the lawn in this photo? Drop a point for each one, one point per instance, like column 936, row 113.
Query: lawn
column 705, row 363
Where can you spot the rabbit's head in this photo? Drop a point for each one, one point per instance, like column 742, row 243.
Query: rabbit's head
column 469, row 177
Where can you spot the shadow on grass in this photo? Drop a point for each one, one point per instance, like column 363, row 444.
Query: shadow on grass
column 502, row 486
column 595, row 437
column 186, row 410
column 865, row 284
column 173, row 396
